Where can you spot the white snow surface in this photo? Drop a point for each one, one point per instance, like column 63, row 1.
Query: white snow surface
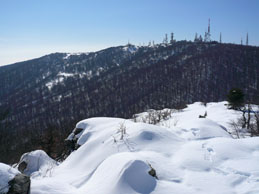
column 75, row 54
column 39, row 164
column 130, row 48
column 7, row 173
column 61, row 76
column 59, row 79
column 190, row 155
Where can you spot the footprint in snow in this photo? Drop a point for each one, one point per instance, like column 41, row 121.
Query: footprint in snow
column 195, row 131
column 209, row 152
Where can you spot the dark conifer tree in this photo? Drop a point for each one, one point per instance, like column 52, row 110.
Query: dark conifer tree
column 236, row 98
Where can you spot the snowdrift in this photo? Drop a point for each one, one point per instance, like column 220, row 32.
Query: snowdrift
column 192, row 155
column 121, row 173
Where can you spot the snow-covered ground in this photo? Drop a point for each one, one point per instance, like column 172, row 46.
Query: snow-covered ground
column 189, row 154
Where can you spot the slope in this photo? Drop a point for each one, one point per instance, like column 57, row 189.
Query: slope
column 195, row 156
column 57, row 90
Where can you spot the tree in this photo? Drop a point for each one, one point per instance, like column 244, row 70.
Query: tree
column 166, row 39
column 248, row 123
column 3, row 115
column 7, row 136
column 196, row 39
column 235, row 98
column 255, row 125
column 51, row 140
column 200, row 39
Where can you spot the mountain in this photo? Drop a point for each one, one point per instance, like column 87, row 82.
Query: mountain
column 57, row 90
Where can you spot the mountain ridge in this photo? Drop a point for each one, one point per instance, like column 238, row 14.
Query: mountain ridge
column 60, row 89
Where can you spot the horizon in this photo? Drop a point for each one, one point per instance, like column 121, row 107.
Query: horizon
column 34, row 29
column 101, row 49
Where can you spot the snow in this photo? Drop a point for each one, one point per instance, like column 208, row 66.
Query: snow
column 189, row 154
column 39, row 164
column 217, row 114
column 89, row 74
column 130, row 48
column 99, row 70
column 59, row 79
column 63, row 74
column 124, row 173
column 68, row 55
column 7, row 173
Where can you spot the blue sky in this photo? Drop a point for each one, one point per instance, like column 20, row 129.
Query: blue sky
column 32, row 28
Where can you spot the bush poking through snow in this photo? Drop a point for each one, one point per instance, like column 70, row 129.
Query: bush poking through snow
column 122, row 139
column 122, row 130
column 237, row 128
column 153, row 116
column 248, row 123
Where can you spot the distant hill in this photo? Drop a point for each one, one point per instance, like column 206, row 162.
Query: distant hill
column 60, row 89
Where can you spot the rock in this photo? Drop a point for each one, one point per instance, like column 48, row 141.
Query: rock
column 20, row 184
column 77, row 131
column 152, row 172
column 71, row 140
column 204, row 116
column 22, row 166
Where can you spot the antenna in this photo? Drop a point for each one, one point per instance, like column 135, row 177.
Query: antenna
column 207, row 34
column 247, row 39
column 209, row 26
column 220, row 38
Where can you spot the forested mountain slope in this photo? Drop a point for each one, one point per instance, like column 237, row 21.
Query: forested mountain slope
column 57, row 90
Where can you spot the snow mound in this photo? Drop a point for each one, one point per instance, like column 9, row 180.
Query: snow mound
column 137, row 177
column 121, row 173
column 38, row 164
column 7, row 173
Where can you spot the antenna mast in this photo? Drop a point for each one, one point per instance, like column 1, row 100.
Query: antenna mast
column 209, row 27
column 207, row 34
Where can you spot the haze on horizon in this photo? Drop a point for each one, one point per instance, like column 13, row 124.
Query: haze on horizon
column 33, row 28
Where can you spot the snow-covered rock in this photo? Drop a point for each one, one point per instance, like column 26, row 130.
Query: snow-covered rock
column 19, row 184
column 7, row 173
column 36, row 164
